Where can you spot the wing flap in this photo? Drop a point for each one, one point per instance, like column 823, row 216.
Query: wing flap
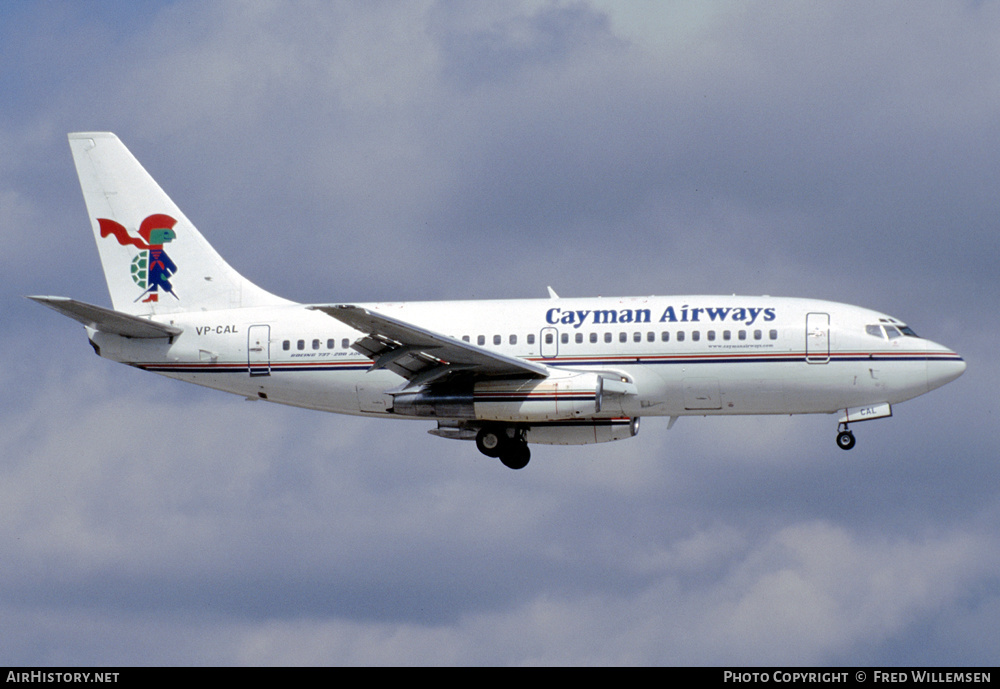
column 107, row 320
column 420, row 355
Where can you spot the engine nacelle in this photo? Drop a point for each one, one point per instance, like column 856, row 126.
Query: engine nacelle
column 582, row 432
column 561, row 396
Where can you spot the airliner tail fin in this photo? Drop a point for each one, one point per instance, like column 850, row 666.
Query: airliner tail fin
column 155, row 260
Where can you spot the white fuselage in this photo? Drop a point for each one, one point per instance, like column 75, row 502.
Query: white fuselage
column 684, row 355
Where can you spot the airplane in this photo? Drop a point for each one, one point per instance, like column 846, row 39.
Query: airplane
column 502, row 373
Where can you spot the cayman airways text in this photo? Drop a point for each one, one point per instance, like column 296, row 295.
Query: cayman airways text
column 686, row 314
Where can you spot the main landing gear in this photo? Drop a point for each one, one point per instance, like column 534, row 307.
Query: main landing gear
column 845, row 439
column 506, row 443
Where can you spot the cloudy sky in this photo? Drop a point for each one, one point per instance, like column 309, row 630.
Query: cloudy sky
column 361, row 151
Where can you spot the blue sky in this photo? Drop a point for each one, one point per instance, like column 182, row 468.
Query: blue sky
column 358, row 151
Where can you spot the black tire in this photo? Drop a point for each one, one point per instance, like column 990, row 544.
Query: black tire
column 845, row 440
column 491, row 441
column 516, row 456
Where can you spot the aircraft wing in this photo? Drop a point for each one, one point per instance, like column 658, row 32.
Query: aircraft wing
column 108, row 321
column 422, row 356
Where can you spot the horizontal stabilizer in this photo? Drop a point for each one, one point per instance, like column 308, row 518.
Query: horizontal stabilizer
column 108, row 321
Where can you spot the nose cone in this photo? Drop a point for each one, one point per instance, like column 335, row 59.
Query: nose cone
column 943, row 365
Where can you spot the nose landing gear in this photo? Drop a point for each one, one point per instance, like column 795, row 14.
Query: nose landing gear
column 845, row 439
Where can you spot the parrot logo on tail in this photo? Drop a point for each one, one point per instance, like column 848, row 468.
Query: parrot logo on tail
column 152, row 268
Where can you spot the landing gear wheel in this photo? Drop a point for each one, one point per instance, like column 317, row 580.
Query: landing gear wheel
column 516, row 456
column 845, row 440
column 491, row 441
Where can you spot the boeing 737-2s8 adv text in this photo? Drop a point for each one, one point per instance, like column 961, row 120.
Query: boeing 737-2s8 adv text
column 501, row 373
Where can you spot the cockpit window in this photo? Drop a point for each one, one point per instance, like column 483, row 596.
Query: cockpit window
column 890, row 331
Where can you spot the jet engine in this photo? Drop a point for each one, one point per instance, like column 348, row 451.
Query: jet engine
column 561, row 396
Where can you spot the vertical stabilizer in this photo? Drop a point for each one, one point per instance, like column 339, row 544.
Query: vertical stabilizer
column 154, row 259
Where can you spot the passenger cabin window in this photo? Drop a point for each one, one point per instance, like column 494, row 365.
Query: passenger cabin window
column 564, row 338
column 496, row 339
column 548, row 338
column 531, row 338
column 680, row 335
column 481, row 340
column 579, row 338
column 665, row 336
column 593, row 338
column 301, row 344
column 315, row 344
column 512, row 339
column 286, row 345
column 345, row 343
column 607, row 337
column 330, row 344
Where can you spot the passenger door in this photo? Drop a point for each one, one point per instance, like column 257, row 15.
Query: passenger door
column 817, row 338
column 259, row 350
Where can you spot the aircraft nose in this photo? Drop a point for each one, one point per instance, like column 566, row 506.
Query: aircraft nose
column 943, row 366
